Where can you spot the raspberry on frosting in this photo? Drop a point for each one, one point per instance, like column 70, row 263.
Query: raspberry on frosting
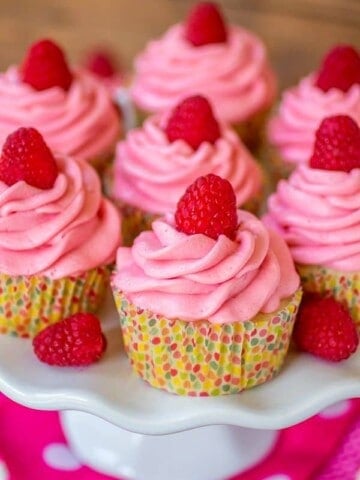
column 340, row 69
column 101, row 63
column 209, row 207
column 205, row 25
column 25, row 156
column 193, row 121
column 45, row 66
column 164, row 170
column 337, row 144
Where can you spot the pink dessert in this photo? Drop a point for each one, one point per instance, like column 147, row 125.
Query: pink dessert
column 151, row 171
column 208, row 298
column 102, row 63
column 203, row 55
column 317, row 212
column 58, row 235
column 71, row 108
column 193, row 276
column 333, row 89
column 62, row 231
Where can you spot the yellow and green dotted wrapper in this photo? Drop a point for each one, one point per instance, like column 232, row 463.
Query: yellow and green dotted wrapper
column 28, row 304
column 343, row 286
column 201, row 358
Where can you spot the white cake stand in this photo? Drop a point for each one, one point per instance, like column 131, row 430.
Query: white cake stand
column 119, row 425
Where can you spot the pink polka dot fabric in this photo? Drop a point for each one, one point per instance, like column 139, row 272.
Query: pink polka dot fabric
column 325, row 447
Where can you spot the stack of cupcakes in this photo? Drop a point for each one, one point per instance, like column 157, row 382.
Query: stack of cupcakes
column 206, row 292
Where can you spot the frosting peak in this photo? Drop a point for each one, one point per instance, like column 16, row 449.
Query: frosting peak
column 235, row 76
column 194, row 277
column 146, row 162
column 59, row 232
column 302, row 108
column 81, row 122
column 317, row 212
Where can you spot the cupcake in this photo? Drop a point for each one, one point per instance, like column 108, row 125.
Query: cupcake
column 317, row 212
column 208, row 298
column 156, row 162
column 102, row 63
column 58, row 236
column 71, row 108
column 204, row 55
column 333, row 89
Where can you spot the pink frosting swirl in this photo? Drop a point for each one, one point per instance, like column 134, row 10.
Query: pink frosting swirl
column 60, row 232
column 317, row 212
column 235, row 76
column 194, row 277
column 81, row 122
column 152, row 174
column 292, row 129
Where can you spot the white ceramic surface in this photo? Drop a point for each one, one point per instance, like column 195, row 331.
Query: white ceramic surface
column 179, row 456
column 111, row 391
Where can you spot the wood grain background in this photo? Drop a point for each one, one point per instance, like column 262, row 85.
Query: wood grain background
column 296, row 32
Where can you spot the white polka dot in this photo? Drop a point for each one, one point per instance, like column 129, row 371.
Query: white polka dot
column 4, row 473
column 59, row 457
column 278, row 476
column 357, row 475
column 336, row 410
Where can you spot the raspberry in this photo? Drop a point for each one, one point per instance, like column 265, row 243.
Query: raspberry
column 25, row 156
column 205, row 25
column 45, row 66
column 101, row 64
column 337, row 144
column 75, row 341
column 193, row 121
column 340, row 69
column 208, row 206
column 325, row 328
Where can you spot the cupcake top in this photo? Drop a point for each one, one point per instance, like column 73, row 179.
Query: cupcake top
column 209, row 261
column 155, row 163
column 102, row 63
column 317, row 210
column 334, row 89
column 53, row 218
column 226, row 63
column 71, row 108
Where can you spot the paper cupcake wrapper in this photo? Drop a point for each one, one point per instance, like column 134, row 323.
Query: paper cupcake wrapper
column 28, row 304
column 201, row 358
column 343, row 286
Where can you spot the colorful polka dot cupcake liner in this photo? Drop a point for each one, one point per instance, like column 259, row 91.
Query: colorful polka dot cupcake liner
column 343, row 286
column 30, row 303
column 201, row 358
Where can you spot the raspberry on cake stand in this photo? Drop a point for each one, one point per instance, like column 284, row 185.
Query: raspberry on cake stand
column 119, row 425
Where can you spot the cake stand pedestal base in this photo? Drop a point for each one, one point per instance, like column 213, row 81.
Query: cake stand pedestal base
column 207, row 453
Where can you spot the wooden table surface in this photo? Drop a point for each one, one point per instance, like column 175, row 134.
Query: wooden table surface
column 296, row 32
